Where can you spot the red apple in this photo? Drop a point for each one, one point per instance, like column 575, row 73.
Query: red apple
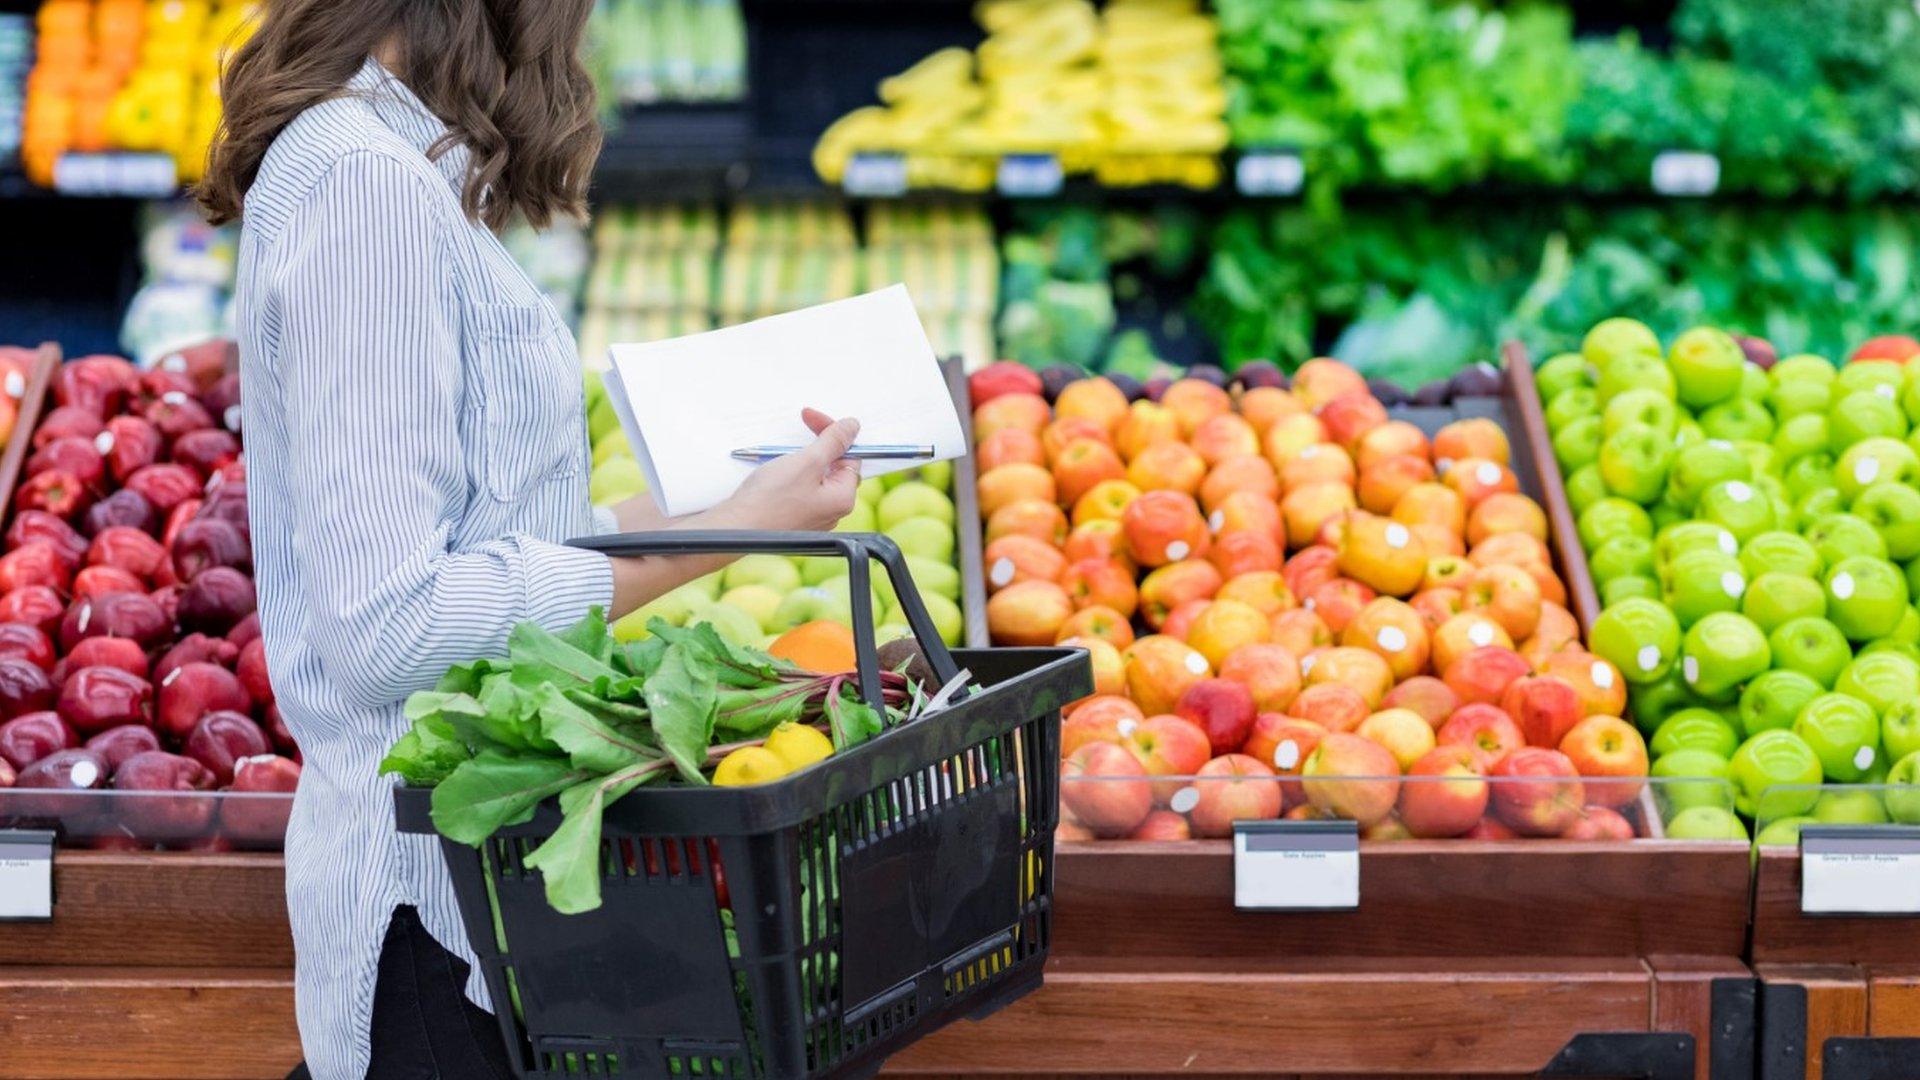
column 1168, row 746
column 175, row 801
column 193, row 690
column 1230, row 788
column 1545, row 706
column 1223, row 709
column 1162, row 825
column 1599, row 823
column 1445, row 792
column 259, row 818
column 1610, row 754
column 1485, row 728
column 1537, row 792
column 1104, row 787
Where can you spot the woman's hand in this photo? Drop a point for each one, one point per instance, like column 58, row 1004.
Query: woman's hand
column 807, row 491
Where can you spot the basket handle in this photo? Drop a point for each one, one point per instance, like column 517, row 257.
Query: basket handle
column 856, row 548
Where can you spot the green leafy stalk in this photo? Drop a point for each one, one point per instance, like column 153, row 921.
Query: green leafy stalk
column 495, row 790
column 681, row 696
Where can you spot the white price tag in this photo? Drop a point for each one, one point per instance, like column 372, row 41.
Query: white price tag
column 1859, row 870
column 875, row 175
column 26, row 874
column 1270, row 173
column 134, row 176
column 1296, row 865
column 1029, row 176
column 1685, row 173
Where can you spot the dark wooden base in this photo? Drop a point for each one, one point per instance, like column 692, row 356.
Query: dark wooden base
column 1804, row 1007
column 102, row 1023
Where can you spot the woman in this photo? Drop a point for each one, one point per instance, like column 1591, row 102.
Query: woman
column 416, row 451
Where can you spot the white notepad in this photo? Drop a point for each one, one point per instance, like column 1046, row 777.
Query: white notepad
column 687, row 403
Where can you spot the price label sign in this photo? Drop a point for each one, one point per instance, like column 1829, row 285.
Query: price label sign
column 1029, row 176
column 1859, row 870
column 1685, row 173
column 1270, row 173
column 133, row 176
column 1296, row 865
column 26, row 875
column 875, row 175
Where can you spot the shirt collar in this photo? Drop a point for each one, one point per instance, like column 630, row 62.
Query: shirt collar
column 402, row 112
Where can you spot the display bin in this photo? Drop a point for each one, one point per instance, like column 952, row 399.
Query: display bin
column 868, row 899
column 1839, row 993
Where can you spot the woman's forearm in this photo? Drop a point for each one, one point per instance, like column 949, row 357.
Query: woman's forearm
column 640, row 580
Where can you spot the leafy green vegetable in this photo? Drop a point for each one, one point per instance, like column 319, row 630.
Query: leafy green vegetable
column 680, row 696
column 493, row 789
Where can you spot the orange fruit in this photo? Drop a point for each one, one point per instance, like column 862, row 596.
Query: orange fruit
column 820, row 646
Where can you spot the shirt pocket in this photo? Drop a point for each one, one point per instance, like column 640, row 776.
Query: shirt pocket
column 529, row 398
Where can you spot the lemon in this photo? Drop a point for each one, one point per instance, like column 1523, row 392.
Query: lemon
column 750, row 765
column 799, row 745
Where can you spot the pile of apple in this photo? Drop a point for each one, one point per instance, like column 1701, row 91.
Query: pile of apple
column 1753, row 528
column 1295, row 606
column 130, row 654
column 760, row 597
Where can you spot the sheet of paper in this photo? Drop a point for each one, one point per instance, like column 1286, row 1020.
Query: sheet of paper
column 687, row 403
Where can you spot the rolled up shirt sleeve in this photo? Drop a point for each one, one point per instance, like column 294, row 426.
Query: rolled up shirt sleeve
column 372, row 373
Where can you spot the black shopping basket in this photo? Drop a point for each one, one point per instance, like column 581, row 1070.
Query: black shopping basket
column 808, row 927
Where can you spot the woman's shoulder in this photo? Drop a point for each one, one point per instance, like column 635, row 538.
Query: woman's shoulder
column 337, row 137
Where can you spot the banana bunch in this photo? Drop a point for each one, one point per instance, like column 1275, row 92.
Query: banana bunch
column 1132, row 94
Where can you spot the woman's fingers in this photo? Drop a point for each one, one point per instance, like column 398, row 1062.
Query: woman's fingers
column 832, row 445
column 815, row 420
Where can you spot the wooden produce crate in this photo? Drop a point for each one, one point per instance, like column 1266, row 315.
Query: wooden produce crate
column 1464, row 958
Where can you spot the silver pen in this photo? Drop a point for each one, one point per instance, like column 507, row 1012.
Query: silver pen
column 860, row 452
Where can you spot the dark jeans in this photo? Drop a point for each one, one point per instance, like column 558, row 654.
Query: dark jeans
column 424, row 1028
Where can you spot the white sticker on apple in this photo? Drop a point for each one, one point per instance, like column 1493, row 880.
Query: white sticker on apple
column 1127, row 726
column 1648, row 657
column 1216, row 520
column 1885, row 390
column 1863, row 758
column 1602, row 675
column 1842, row 585
column 1866, row 469
column 1196, row 663
column 1733, row 583
column 1488, row 473
column 1391, row 638
column 103, row 443
column 1002, row 573
column 174, row 397
column 231, row 418
column 1307, row 603
column 84, row 773
column 1286, row 755
column 1720, row 444
column 1306, row 664
column 1184, row 800
column 1728, row 544
column 16, row 385
column 1312, row 451
column 86, row 616
column 1441, row 465
column 1480, row 633
column 1690, row 668
column 1178, row 550
column 1398, row 536
column 1738, row 491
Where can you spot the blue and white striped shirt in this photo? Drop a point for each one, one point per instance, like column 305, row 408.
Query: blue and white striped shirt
column 415, row 449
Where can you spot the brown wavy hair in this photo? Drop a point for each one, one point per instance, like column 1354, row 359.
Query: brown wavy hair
column 504, row 75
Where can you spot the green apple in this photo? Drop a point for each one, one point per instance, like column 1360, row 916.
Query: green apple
column 1695, row 729
column 1878, row 378
column 860, row 519
column 1881, row 679
column 1664, row 512
column 1779, row 552
column 1840, row 536
column 841, row 589
column 1571, row 405
column 946, row 618
column 1872, row 461
column 1865, row 597
column 1676, row 540
column 1863, row 415
column 929, row 538
column 1702, row 582
column 1707, row 366
column 1561, row 373
column 674, row 607
column 1634, row 372
column 930, row 576
column 1903, row 794
column 1738, row 507
column 1639, row 637
column 1850, row 806
column 1754, row 385
column 1703, row 465
column 890, row 631
column 601, row 418
column 1804, row 367
column 1900, row 730
column 1843, row 733
column 1799, row 436
column 815, row 569
column 1691, row 777
column 1616, row 337
column 1775, row 598
column 1910, row 392
column 616, row 481
column 1611, row 517
column 810, row 603
column 706, row 586
column 939, row 474
column 1627, row 587
column 1792, row 400
column 914, row 499
column 1784, row 832
column 1706, row 823
column 1893, row 509
column 1721, row 652
column 1578, row 443
column 776, row 572
column 1640, row 408
column 612, row 445
column 1815, row 505
column 873, row 487
column 1651, row 703
column 760, row 602
column 731, row 623
column 1814, row 647
column 1620, row 557
column 1687, row 432
column 1584, row 488
column 1775, row 773
column 1773, row 700
column 1634, row 461
column 1738, row 418
column 1810, row 473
